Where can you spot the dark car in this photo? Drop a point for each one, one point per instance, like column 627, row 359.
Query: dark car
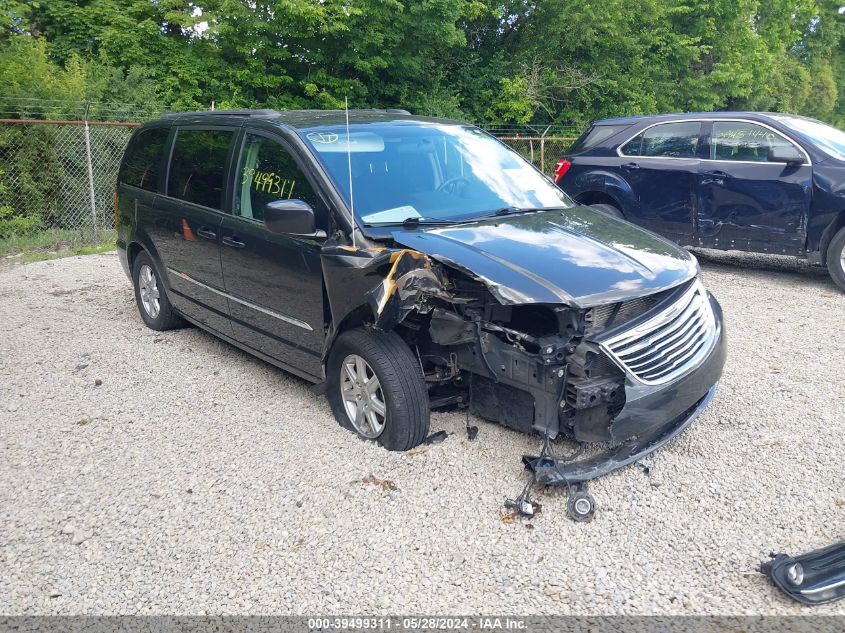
column 412, row 263
column 769, row 183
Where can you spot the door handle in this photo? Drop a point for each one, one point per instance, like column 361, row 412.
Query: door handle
column 233, row 242
column 630, row 166
column 207, row 233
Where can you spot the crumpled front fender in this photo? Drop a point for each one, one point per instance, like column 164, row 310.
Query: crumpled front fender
column 388, row 283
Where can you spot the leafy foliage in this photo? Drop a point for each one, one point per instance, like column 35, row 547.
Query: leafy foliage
column 540, row 61
column 503, row 61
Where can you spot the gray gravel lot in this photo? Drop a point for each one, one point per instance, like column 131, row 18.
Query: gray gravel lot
column 145, row 472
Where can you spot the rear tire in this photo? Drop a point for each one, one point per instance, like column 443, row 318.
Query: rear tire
column 608, row 209
column 151, row 297
column 836, row 258
column 376, row 388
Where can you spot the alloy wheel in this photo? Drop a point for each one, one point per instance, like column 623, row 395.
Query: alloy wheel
column 362, row 396
column 148, row 290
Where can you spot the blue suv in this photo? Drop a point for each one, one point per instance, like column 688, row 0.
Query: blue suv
column 749, row 181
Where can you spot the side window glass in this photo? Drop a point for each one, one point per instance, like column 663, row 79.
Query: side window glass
column 668, row 140
column 733, row 140
column 197, row 166
column 267, row 172
column 142, row 161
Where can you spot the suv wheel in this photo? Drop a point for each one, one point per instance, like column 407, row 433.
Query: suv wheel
column 376, row 389
column 151, row 297
column 608, row 209
column 836, row 258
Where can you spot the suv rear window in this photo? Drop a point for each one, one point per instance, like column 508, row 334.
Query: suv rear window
column 594, row 136
column 197, row 165
column 143, row 159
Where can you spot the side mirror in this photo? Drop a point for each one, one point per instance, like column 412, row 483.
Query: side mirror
column 291, row 217
column 785, row 154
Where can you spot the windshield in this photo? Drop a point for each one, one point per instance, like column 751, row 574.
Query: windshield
column 828, row 139
column 429, row 172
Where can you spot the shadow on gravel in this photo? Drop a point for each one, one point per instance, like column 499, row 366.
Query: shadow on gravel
column 215, row 345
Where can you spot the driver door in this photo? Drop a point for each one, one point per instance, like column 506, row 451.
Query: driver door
column 274, row 281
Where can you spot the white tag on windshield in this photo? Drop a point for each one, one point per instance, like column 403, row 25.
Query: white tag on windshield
column 397, row 214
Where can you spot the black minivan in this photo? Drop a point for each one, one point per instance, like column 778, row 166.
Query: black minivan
column 409, row 263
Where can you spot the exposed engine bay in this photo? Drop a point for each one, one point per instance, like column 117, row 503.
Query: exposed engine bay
column 531, row 367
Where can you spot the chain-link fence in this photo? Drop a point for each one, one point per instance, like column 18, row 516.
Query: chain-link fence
column 61, row 174
column 543, row 151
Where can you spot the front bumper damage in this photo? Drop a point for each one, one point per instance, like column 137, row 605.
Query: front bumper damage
column 562, row 472
column 651, row 417
column 817, row 577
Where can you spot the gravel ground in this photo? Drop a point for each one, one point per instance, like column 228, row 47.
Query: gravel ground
column 145, row 472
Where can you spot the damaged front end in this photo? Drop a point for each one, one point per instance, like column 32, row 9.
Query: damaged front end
column 628, row 375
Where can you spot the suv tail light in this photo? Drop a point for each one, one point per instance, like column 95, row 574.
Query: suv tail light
column 561, row 167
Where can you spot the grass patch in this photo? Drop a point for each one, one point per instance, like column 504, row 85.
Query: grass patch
column 53, row 244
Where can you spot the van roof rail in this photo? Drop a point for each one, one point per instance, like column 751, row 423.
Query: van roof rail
column 247, row 113
column 268, row 112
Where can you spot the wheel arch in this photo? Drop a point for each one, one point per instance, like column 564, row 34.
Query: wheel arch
column 138, row 246
column 133, row 249
column 605, row 187
column 837, row 224
column 598, row 197
column 361, row 315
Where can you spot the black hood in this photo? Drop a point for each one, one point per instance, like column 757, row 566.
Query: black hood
column 579, row 257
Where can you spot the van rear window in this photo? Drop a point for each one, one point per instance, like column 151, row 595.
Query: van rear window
column 593, row 136
column 197, row 166
column 143, row 159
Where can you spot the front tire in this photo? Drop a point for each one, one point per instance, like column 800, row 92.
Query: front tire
column 376, row 388
column 151, row 297
column 836, row 258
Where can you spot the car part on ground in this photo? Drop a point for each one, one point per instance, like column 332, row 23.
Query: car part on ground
column 813, row 578
column 581, row 506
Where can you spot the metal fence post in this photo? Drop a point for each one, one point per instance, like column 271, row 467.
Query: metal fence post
column 543, row 153
column 543, row 149
column 91, row 191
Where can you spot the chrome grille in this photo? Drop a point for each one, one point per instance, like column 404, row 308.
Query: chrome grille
column 668, row 344
column 600, row 316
